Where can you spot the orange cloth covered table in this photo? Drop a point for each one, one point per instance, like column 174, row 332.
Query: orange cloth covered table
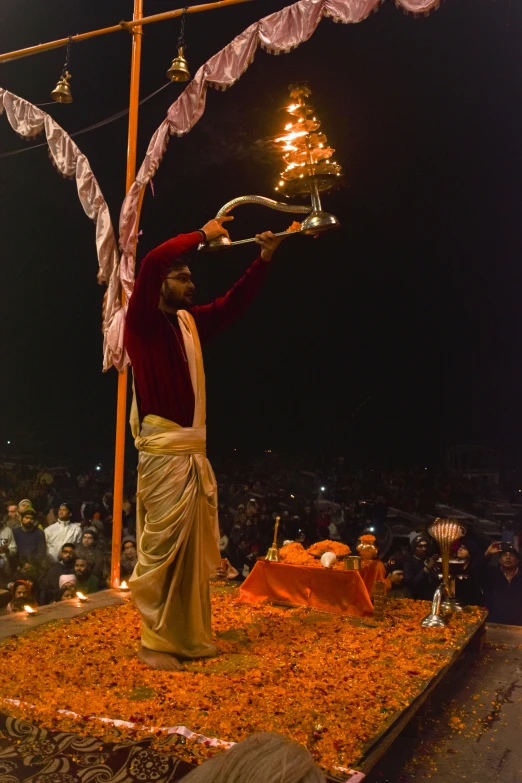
column 373, row 571
column 336, row 591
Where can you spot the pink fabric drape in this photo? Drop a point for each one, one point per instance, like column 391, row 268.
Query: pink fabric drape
column 278, row 33
column 28, row 121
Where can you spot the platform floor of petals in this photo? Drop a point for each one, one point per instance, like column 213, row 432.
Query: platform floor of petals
column 342, row 686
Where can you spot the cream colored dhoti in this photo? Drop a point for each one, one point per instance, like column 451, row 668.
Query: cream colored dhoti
column 177, row 523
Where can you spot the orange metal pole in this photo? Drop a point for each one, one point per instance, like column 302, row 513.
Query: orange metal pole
column 121, row 405
column 115, row 28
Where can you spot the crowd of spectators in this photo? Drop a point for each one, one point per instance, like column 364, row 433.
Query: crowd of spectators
column 57, row 527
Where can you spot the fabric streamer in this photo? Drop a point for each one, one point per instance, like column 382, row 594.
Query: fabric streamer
column 28, row 121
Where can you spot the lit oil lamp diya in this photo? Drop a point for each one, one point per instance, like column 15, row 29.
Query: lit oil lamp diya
column 308, row 172
column 29, row 610
column 124, row 588
column 81, row 596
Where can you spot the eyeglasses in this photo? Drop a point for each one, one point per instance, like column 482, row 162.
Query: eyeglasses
column 182, row 278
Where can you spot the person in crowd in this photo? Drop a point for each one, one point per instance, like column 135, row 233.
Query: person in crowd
column 21, row 596
column 29, row 571
column 29, row 539
column 129, row 557
column 51, row 517
column 468, row 591
column 322, row 525
column 62, row 532
column 236, row 532
column 309, row 522
column 66, row 588
column 90, row 548
column 245, row 558
column 420, row 569
column 223, row 542
column 502, row 585
column 333, row 531
column 64, row 567
column 395, row 577
column 251, row 529
column 7, row 553
column 251, row 507
column 92, row 519
column 261, row 758
column 86, row 581
column 23, row 504
column 129, row 517
column 12, row 519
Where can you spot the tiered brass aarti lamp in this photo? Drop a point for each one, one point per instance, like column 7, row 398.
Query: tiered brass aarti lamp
column 308, row 172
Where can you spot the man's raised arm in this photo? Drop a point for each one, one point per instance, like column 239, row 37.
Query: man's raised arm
column 213, row 317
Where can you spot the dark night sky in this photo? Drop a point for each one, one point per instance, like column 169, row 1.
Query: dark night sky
column 415, row 303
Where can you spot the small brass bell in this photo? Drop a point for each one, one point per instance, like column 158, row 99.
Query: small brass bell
column 62, row 91
column 179, row 70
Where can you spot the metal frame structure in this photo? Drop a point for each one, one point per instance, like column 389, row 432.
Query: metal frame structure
column 135, row 28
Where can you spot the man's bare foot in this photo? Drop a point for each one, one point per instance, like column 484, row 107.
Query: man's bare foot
column 160, row 661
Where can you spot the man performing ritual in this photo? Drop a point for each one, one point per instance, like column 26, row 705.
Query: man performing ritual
column 177, row 523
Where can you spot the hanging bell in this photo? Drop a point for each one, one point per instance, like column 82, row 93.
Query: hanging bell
column 179, row 71
column 62, row 91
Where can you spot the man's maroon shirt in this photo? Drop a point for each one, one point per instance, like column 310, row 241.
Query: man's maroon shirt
column 161, row 374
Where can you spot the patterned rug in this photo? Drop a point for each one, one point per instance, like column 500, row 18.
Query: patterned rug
column 29, row 754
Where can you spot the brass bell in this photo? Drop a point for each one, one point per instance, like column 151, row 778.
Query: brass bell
column 62, row 91
column 179, row 71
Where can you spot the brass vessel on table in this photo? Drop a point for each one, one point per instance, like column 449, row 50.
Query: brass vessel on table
column 352, row 563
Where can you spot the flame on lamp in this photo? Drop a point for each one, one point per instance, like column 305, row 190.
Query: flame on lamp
column 81, row 596
column 29, row 609
column 124, row 586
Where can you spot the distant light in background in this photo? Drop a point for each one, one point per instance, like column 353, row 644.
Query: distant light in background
column 323, row 489
column 8, row 442
column 98, row 467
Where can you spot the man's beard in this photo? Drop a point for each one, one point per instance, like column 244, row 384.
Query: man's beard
column 174, row 301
